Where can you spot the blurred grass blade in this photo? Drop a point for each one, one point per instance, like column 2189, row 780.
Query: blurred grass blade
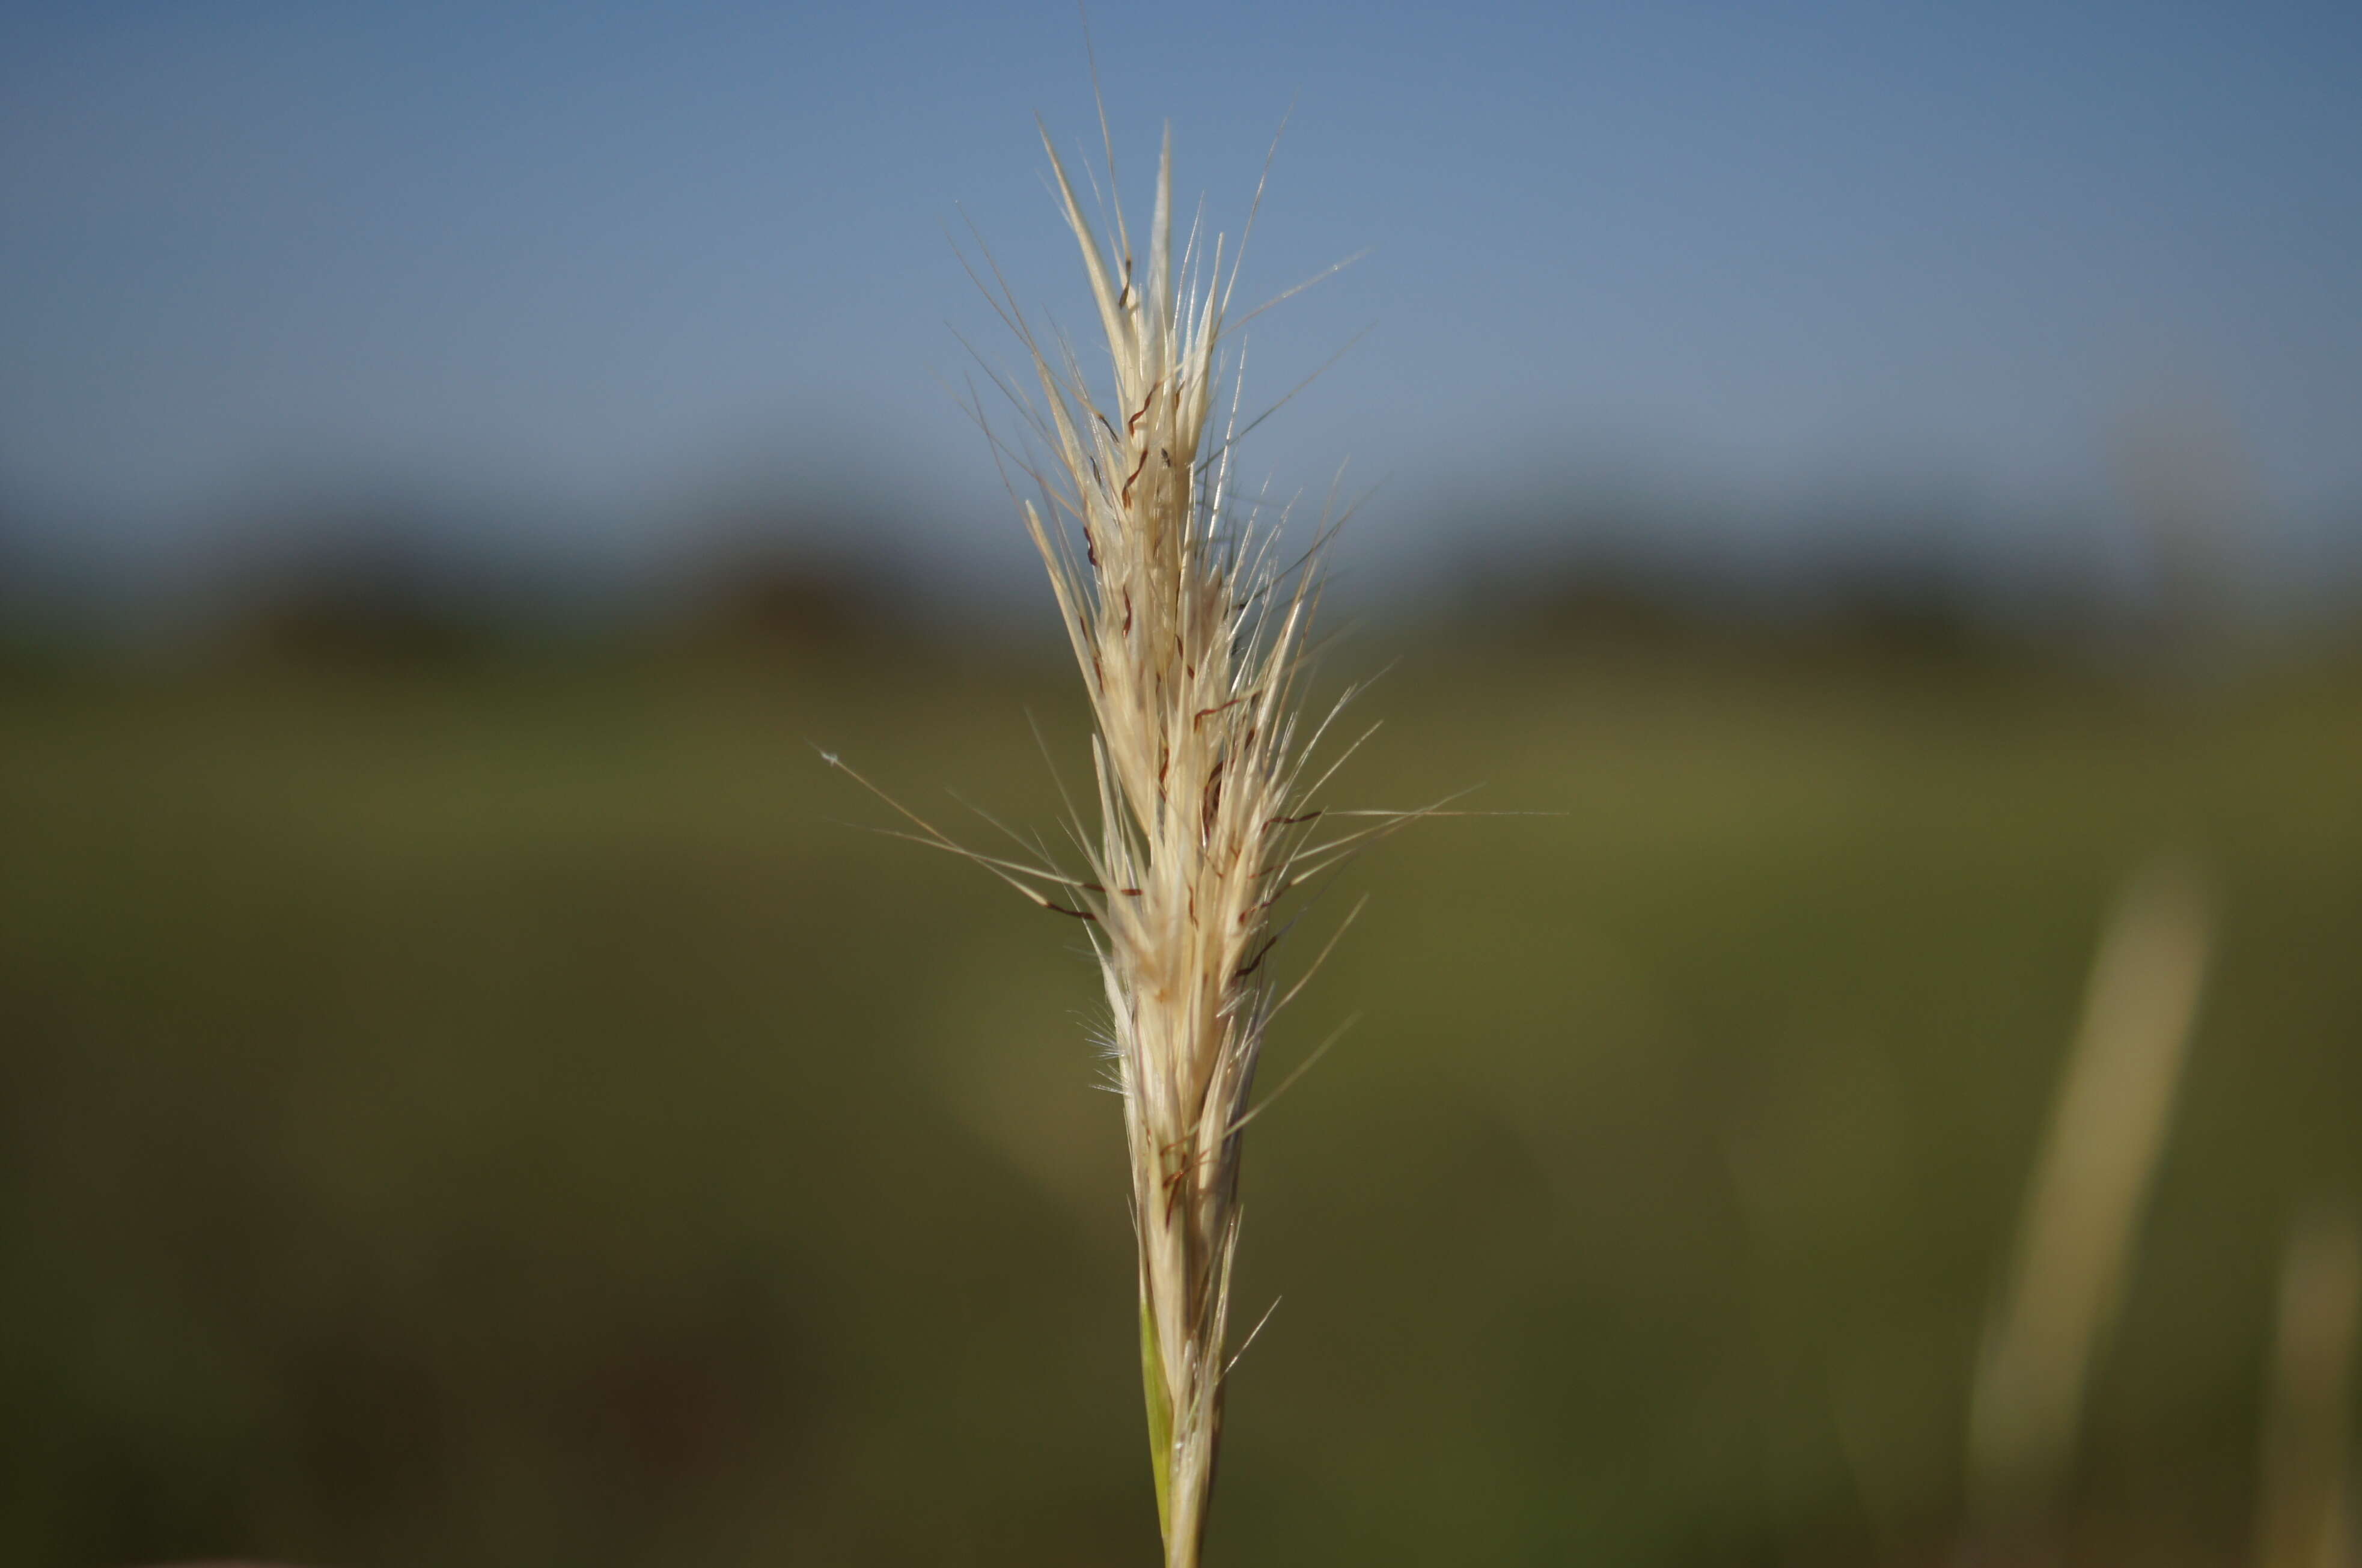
column 2076, row 1236
column 2304, row 1514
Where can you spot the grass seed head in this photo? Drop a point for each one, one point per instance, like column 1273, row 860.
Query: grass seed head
column 1189, row 632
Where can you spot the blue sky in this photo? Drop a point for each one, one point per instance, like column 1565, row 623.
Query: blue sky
column 606, row 256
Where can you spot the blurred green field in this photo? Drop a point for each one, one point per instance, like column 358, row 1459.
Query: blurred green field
column 511, row 1114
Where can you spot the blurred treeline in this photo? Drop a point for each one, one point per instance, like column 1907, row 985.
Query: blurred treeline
column 474, row 1091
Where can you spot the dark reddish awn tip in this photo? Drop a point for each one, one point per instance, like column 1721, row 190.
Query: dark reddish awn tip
column 1205, row 713
column 1256, row 962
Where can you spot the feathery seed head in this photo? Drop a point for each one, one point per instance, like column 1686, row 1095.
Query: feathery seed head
column 1189, row 636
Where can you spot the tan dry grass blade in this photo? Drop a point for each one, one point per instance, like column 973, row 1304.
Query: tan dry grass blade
column 2076, row 1238
column 2304, row 1514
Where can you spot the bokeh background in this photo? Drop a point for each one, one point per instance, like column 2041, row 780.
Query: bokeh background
column 474, row 1090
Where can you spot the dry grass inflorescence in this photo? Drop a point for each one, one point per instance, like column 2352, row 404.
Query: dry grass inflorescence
column 1190, row 629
